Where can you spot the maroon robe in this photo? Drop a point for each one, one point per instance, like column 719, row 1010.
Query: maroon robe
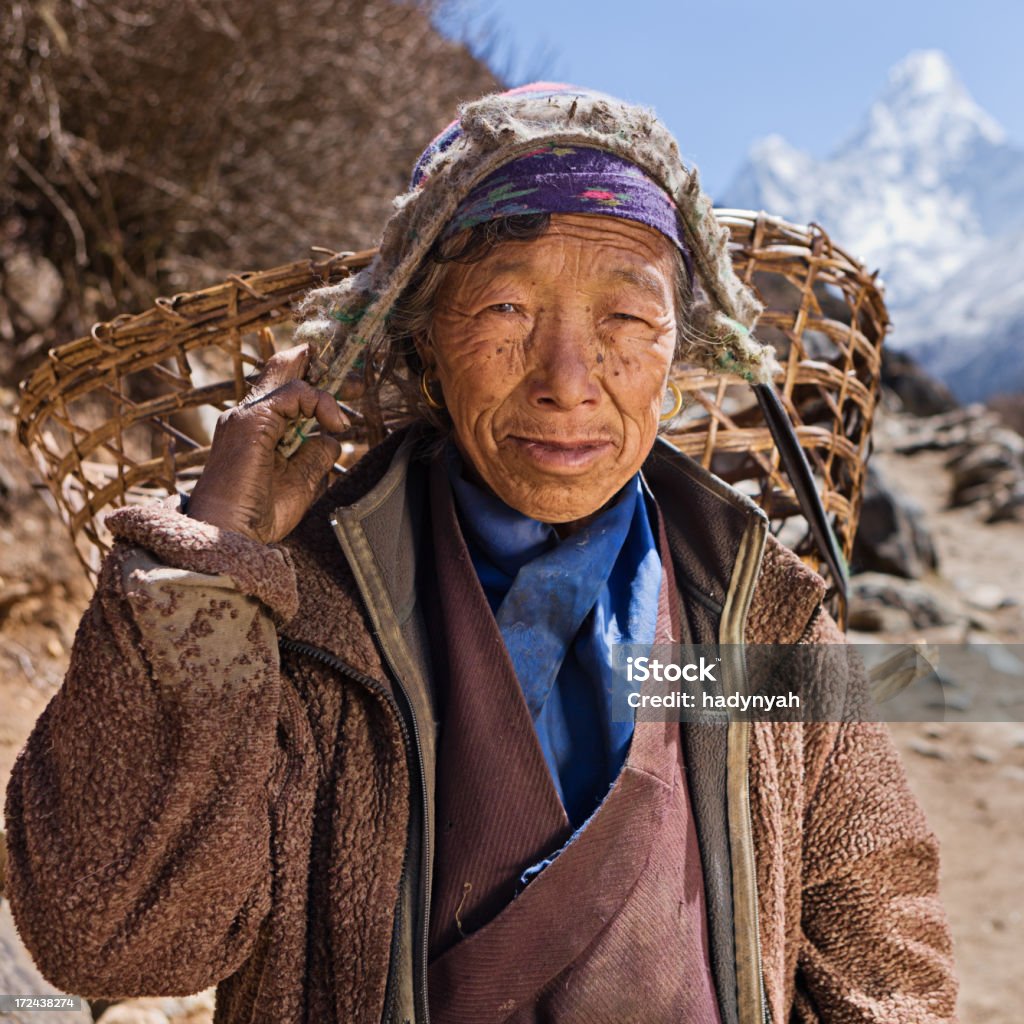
column 614, row 929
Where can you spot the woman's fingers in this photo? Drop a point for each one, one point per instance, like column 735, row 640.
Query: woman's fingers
column 311, row 463
column 329, row 415
column 246, row 486
column 281, row 367
column 288, row 402
column 280, row 389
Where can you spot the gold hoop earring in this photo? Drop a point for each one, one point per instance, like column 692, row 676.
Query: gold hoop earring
column 425, row 391
column 677, row 403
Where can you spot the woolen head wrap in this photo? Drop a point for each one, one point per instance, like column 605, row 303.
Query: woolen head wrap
column 344, row 320
column 571, row 179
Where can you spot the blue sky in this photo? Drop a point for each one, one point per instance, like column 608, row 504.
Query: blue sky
column 724, row 72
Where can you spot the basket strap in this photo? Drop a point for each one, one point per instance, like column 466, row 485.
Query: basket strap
column 798, row 469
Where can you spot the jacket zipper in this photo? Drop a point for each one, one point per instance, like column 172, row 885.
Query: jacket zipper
column 753, row 1006
column 422, row 1011
column 425, row 853
column 766, row 1015
column 815, row 615
column 331, row 660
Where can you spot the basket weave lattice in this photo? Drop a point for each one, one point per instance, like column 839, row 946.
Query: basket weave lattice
column 826, row 317
column 125, row 414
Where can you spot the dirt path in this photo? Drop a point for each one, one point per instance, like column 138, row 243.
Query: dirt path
column 970, row 775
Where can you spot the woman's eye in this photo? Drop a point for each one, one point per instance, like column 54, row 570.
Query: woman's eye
column 502, row 307
column 627, row 316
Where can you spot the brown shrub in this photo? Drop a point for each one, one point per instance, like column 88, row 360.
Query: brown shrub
column 151, row 147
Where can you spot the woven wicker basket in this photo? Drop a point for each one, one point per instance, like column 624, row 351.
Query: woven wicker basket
column 125, row 414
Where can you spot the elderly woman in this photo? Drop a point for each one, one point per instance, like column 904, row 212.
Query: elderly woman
column 351, row 756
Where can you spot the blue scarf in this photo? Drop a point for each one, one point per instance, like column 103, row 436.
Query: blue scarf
column 560, row 606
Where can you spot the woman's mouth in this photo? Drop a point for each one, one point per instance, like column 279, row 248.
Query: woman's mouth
column 561, row 455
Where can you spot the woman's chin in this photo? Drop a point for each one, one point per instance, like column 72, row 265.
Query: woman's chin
column 570, row 500
column 554, row 481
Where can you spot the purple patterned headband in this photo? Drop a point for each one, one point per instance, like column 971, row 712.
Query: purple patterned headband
column 570, row 179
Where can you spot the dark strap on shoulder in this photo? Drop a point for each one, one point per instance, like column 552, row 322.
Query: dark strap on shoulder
column 798, row 469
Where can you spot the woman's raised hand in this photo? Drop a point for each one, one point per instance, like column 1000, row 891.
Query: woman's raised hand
column 247, row 485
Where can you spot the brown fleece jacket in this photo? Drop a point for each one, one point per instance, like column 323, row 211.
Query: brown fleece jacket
column 198, row 806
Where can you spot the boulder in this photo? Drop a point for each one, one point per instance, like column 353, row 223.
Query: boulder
column 918, row 392
column 979, row 471
column 891, row 533
column 197, row 1009
column 988, row 597
column 969, row 425
column 1007, row 503
column 879, row 602
column 33, row 286
column 134, row 1013
column 923, row 749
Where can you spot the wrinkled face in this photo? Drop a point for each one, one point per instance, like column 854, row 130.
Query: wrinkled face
column 552, row 357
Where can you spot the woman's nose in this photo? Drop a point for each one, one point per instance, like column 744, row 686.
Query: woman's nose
column 563, row 372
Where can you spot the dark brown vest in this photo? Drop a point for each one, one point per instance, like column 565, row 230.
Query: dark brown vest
column 614, row 930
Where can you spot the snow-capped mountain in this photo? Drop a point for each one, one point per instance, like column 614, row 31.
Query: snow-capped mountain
column 928, row 190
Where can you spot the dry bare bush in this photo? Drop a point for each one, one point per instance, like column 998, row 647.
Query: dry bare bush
column 151, row 147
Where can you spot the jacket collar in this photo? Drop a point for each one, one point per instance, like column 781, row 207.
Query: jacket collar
column 718, row 538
